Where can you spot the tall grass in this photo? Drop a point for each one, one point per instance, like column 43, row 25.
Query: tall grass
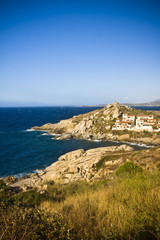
column 128, row 208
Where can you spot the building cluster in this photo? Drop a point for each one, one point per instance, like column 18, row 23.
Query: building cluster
column 137, row 122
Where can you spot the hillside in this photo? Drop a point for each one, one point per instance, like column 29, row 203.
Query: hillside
column 98, row 125
column 121, row 202
column 152, row 103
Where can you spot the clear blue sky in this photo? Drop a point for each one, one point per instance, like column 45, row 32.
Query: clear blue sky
column 79, row 52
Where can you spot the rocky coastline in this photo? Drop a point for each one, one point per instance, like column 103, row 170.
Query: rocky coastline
column 77, row 165
column 93, row 164
column 97, row 125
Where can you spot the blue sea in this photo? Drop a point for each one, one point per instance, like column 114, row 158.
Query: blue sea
column 23, row 152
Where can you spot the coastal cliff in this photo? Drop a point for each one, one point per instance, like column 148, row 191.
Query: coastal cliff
column 79, row 165
column 98, row 125
column 91, row 165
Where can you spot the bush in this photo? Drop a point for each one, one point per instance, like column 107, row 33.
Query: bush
column 158, row 165
column 31, row 224
column 5, row 194
column 30, row 198
column 128, row 169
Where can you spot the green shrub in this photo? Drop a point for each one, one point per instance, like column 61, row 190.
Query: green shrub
column 128, row 169
column 147, row 134
column 104, row 159
column 30, row 198
column 158, row 165
column 5, row 194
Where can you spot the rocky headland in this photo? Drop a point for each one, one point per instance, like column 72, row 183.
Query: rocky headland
column 98, row 125
column 93, row 164
column 78, row 165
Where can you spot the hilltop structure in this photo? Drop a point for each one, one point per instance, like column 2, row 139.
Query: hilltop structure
column 101, row 124
column 137, row 122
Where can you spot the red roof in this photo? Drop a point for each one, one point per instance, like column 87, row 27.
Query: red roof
column 150, row 120
column 129, row 114
column 143, row 115
column 126, row 122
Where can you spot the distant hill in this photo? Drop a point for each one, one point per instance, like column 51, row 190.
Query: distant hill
column 98, row 105
column 152, row 103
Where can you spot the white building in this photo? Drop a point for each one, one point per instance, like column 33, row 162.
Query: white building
column 144, row 122
column 133, row 122
column 128, row 117
column 122, row 125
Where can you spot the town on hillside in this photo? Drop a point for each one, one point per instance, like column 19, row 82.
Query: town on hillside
column 137, row 123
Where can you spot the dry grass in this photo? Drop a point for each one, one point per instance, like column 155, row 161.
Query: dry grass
column 119, row 211
column 125, row 208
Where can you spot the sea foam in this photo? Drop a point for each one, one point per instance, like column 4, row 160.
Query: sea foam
column 29, row 130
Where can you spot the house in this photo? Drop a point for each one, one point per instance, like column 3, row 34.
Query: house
column 139, row 122
column 148, row 124
column 127, row 125
column 122, row 125
column 128, row 117
column 145, row 122
column 144, row 117
column 117, row 125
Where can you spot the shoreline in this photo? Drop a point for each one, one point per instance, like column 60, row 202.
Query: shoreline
column 139, row 144
column 96, row 126
column 46, row 133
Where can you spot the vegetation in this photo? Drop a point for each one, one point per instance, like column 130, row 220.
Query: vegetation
column 128, row 169
column 101, row 163
column 127, row 207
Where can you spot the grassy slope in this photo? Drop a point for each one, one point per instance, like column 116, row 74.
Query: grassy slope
column 127, row 207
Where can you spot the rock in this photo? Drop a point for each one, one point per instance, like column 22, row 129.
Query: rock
column 89, row 124
column 65, row 136
column 124, row 137
column 73, row 166
column 26, row 183
column 125, row 148
column 79, row 165
column 9, row 179
column 71, row 155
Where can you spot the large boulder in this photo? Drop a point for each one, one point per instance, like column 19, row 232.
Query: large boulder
column 71, row 155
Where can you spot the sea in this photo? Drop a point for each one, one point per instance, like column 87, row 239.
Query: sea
column 23, row 151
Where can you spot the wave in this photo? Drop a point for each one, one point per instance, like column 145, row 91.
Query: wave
column 20, row 175
column 144, row 145
column 55, row 134
column 139, row 144
column 29, row 130
column 37, row 171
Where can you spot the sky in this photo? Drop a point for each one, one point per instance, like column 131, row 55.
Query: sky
column 79, row 52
